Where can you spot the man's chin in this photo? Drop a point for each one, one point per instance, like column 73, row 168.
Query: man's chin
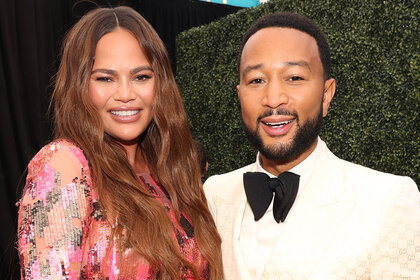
column 280, row 152
column 289, row 146
column 277, row 140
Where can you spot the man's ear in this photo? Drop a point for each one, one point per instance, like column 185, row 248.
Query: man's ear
column 237, row 90
column 329, row 91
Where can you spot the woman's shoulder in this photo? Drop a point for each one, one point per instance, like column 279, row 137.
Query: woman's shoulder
column 59, row 169
column 61, row 153
column 55, row 209
column 62, row 147
column 58, row 165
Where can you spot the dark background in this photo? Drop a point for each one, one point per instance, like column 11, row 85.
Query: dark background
column 373, row 119
column 31, row 32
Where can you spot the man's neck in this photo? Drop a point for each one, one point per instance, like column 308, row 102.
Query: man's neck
column 276, row 168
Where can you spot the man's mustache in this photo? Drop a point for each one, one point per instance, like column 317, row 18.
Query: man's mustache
column 278, row 111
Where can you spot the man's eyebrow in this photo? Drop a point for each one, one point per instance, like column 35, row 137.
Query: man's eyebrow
column 249, row 68
column 300, row 63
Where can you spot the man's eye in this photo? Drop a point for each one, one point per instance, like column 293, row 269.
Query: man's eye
column 256, row 81
column 295, row 78
column 104, row 79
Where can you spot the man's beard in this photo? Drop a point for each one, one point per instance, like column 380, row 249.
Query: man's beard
column 305, row 136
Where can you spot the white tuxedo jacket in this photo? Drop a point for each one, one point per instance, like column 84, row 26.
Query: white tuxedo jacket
column 349, row 222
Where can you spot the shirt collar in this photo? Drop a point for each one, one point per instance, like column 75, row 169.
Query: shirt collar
column 303, row 169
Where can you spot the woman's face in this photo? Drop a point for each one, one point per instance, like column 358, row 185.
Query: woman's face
column 122, row 86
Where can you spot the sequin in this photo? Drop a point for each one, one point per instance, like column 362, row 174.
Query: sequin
column 62, row 233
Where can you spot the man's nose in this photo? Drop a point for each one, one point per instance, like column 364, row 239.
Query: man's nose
column 275, row 94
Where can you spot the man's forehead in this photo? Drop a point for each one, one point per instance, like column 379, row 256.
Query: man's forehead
column 278, row 34
column 286, row 43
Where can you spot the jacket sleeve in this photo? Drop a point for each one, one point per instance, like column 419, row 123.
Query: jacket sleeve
column 209, row 196
column 396, row 254
column 52, row 213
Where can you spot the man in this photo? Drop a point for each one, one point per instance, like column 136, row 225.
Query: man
column 329, row 219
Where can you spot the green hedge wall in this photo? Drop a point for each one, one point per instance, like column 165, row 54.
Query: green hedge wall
column 373, row 119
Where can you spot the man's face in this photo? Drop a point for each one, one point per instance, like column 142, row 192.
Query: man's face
column 283, row 93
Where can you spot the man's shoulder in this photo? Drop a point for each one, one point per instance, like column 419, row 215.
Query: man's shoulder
column 226, row 180
column 371, row 175
column 365, row 178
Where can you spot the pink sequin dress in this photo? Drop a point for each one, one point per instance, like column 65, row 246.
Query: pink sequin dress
column 62, row 233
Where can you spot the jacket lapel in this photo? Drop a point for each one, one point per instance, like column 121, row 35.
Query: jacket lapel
column 230, row 210
column 313, row 221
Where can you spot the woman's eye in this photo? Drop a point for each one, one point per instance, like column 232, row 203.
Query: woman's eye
column 143, row 77
column 104, row 79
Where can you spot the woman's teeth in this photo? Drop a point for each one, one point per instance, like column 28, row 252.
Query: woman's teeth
column 125, row 113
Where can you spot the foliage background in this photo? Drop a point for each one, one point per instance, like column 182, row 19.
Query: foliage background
column 373, row 119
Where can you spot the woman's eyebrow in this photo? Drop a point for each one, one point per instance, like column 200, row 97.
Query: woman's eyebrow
column 141, row 68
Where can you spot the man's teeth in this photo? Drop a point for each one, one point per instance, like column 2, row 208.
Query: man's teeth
column 125, row 113
column 279, row 124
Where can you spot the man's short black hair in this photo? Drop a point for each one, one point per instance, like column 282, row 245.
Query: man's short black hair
column 298, row 22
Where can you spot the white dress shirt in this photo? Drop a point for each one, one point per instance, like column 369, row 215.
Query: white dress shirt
column 258, row 238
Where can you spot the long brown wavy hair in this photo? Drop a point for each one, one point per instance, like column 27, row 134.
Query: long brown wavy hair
column 166, row 144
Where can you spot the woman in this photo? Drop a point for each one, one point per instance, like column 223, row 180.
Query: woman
column 117, row 195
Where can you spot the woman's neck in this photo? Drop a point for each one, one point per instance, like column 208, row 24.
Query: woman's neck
column 135, row 158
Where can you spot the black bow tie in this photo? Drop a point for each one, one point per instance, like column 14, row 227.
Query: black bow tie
column 259, row 188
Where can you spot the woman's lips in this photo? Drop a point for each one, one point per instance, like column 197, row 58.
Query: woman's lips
column 125, row 115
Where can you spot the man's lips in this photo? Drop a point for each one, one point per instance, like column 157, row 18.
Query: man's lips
column 277, row 126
